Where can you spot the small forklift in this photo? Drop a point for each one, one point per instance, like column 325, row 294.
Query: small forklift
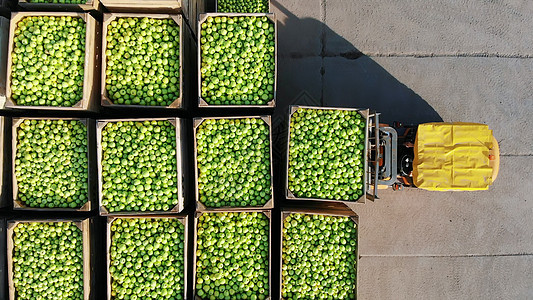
column 435, row 156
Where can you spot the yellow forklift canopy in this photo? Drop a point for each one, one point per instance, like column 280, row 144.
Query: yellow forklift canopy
column 452, row 156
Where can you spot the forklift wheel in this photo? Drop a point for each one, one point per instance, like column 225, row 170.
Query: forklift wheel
column 397, row 186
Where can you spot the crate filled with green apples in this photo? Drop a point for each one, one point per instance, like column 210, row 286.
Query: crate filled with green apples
column 145, row 60
column 242, row 6
column 52, row 61
column 318, row 255
column 147, row 257
column 328, row 154
column 232, row 255
column 49, row 259
column 60, row 5
column 141, row 166
column 52, row 167
column 233, row 163
column 237, row 60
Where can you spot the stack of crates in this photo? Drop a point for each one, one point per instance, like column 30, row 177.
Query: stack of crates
column 43, row 140
column 153, row 196
column 233, row 153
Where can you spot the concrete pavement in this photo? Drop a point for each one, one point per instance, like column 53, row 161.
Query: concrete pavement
column 419, row 61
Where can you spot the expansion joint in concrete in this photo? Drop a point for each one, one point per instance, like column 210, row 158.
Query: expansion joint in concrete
column 449, row 54
column 322, row 48
column 447, row 256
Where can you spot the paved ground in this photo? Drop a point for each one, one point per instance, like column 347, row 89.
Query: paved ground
column 418, row 61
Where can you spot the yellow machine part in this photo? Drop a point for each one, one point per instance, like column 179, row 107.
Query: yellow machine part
column 453, row 156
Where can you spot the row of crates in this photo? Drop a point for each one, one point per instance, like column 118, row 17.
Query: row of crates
column 188, row 259
column 192, row 161
column 188, row 160
column 97, row 74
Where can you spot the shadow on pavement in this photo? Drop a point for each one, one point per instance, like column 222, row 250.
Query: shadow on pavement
column 308, row 65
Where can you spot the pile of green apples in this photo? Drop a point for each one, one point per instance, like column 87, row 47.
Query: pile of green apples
column 48, row 61
column 143, row 61
column 147, row 258
column 238, row 57
column 319, row 257
column 51, row 163
column 139, row 166
column 326, row 154
column 233, row 157
column 48, row 261
column 232, row 256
